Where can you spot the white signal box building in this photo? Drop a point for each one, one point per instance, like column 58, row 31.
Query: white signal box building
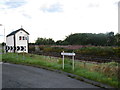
column 17, row 41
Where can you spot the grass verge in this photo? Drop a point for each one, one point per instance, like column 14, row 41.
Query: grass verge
column 99, row 73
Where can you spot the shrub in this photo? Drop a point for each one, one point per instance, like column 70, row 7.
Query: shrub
column 99, row 51
column 52, row 49
column 117, row 51
column 31, row 48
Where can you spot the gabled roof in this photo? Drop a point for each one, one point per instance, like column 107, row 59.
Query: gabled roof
column 14, row 32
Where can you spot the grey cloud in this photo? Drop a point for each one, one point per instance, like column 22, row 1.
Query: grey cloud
column 26, row 16
column 13, row 3
column 1, row 35
column 91, row 5
column 52, row 8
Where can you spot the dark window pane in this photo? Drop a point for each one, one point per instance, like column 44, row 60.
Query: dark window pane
column 23, row 38
column 20, row 37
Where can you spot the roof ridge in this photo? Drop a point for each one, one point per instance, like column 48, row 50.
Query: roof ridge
column 14, row 32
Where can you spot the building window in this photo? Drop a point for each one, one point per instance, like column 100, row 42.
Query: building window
column 20, row 37
column 23, row 38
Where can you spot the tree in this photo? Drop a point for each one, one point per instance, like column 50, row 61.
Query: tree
column 44, row 41
column 3, row 43
column 110, row 39
column 117, row 39
column 59, row 42
column 86, row 39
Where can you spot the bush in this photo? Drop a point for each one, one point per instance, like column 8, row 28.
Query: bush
column 47, row 49
column 99, row 51
column 52, row 49
column 117, row 51
column 31, row 48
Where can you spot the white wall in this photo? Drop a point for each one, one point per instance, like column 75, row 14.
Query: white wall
column 21, row 42
column 10, row 41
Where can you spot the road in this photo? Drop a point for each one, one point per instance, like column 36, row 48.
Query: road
column 21, row 76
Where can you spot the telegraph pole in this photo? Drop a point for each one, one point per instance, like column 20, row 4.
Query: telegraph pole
column 4, row 41
column 3, row 37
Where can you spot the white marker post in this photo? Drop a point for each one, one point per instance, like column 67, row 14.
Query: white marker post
column 23, row 54
column 69, row 54
column 63, row 60
column 73, row 62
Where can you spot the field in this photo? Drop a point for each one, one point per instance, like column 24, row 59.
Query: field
column 86, row 53
column 106, row 73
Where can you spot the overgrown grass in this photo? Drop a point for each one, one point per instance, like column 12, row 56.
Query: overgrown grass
column 105, row 73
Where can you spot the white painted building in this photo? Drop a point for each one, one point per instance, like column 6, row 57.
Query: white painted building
column 17, row 41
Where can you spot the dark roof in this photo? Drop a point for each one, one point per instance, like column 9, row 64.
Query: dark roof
column 14, row 32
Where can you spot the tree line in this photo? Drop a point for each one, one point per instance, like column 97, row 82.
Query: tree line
column 100, row 39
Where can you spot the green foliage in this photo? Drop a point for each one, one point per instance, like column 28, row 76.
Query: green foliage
column 99, row 51
column 117, row 39
column 52, row 49
column 93, row 50
column 32, row 48
column 100, row 39
column 44, row 41
column 110, row 39
column 3, row 44
column 59, row 42
column 87, row 39
column 117, row 51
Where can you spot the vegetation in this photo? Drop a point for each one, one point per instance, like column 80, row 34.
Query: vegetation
column 97, row 51
column 44, row 41
column 106, row 73
column 86, row 50
column 101, row 39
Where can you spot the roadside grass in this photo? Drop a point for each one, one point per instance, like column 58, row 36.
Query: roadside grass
column 106, row 73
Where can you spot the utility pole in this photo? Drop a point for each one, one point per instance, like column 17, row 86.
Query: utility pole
column 4, row 37
column 4, row 41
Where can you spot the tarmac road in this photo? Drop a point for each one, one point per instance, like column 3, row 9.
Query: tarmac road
column 21, row 76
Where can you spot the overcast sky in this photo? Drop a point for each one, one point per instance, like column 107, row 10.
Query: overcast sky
column 58, row 18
